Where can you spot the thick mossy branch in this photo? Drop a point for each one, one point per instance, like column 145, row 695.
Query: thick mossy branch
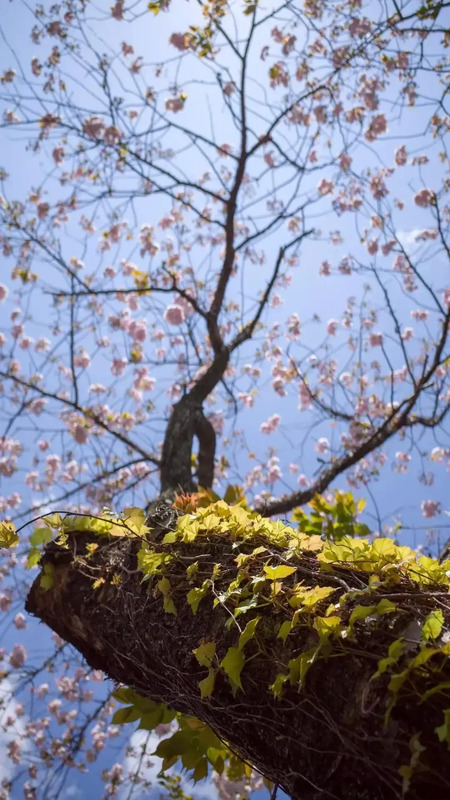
column 324, row 665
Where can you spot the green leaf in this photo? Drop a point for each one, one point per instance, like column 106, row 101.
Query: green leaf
column 8, row 535
column 361, row 612
column 285, row 629
column 248, row 632
column 201, row 770
column 41, row 536
column 151, row 563
column 47, row 578
column 278, row 573
column 327, row 625
column 443, row 731
column 433, row 625
column 277, row 685
column 194, row 596
column 192, row 570
column 232, row 665
column 205, row 653
column 206, row 686
column 385, row 606
column 124, row 715
column 169, row 606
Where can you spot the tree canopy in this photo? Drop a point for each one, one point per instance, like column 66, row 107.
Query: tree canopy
column 224, row 229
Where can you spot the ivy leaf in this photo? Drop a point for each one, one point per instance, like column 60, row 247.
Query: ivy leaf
column 277, row 685
column 248, row 632
column 47, row 578
column 201, row 769
column 443, row 731
column 169, row 606
column 232, row 664
column 360, row 612
column 124, row 715
column 194, row 596
column 278, row 573
column 326, row 625
column 206, row 686
column 205, row 653
column 433, row 625
column 41, row 536
column 8, row 535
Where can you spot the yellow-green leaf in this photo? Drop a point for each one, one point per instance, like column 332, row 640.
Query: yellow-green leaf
column 433, row 625
column 248, row 632
column 41, row 536
column 205, row 653
column 206, row 686
column 46, row 581
column 232, row 664
column 8, row 535
column 278, row 573
column 443, row 731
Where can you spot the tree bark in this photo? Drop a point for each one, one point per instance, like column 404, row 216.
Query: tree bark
column 327, row 739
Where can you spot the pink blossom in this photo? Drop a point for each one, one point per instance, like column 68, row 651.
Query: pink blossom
column 359, row 27
column 446, row 297
column 320, row 114
column 3, row 291
column 174, row 104
column 419, row 314
column 376, row 339
column 407, row 334
column 5, row 601
column 322, row 445
column 82, row 360
column 325, row 268
column 303, row 481
column 94, row 127
column 43, row 444
column 424, row 198
column 14, row 751
column 269, row 159
column 305, row 396
column 96, row 676
column 112, row 135
column 18, row 656
column 401, row 156
column 96, row 388
column 37, row 405
column 10, row 116
column 118, row 366
column 36, row 67
column 138, row 330
column 58, row 154
column 180, row 41
column 271, row 424
column 378, row 125
column 325, row 187
column 20, row 621
column 80, row 434
column 372, row 246
column 387, row 247
column 345, row 161
column 117, row 10
column 430, row 508
column 332, row 327
column 174, row 315
column 228, row 89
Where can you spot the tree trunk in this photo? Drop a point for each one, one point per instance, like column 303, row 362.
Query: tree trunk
column 327, row 739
